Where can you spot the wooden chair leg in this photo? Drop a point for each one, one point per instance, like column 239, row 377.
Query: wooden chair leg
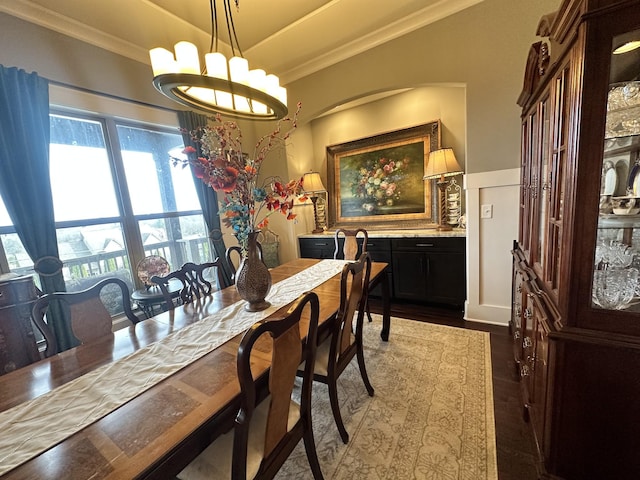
column 335, row 408
column 363, row 371
column 310, row 448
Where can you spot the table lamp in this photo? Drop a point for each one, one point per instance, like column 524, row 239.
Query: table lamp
column 442, row 163
column 312, row 184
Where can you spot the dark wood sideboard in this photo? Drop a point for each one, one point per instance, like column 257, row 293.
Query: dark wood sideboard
column 422, row 269
column 17, row 340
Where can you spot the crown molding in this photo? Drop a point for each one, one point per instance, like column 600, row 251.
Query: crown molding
column 36, row 14
column 415, row 21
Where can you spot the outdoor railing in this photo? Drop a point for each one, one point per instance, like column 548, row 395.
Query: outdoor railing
column 81, row 272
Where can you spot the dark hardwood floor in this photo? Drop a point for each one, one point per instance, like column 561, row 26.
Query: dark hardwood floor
column 515, row 443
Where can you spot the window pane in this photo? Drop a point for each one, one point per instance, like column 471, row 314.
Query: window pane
column 81, row 179
column 178, row 240
column 19, row 261
column 92, row 253
column 5, row 221
column 155, row 185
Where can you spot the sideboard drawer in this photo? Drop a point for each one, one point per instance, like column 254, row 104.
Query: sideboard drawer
column 316, row 247
column 427, row 244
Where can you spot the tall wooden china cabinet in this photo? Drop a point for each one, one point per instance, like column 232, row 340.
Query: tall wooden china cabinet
column 576, row 293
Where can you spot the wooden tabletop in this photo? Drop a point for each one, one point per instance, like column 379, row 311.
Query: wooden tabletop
column 157, row 433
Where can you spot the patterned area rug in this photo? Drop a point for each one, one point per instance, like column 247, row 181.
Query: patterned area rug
column 431, row 416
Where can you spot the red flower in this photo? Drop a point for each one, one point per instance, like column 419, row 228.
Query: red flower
column 200, row 168
column 226, row 181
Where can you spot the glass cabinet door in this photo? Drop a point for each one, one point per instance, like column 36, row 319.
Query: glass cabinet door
column 616, row 278
column 542, row 188
column 557, row 175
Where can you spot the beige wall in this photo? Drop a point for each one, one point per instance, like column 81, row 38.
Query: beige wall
column 63, row 59
column 484, row 49
column 403, row 110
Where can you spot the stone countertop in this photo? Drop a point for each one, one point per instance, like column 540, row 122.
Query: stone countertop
column 410, row 233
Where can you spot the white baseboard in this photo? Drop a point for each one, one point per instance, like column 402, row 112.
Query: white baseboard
column 490, row 314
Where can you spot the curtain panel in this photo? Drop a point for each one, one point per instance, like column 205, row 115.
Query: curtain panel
column 189, row 121
column 25, row 182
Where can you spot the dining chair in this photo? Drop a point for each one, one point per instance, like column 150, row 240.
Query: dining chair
column 235, row 249
column 266, row 432
column 336, row 351
column 350, row 248
column 195, row 282
column 88, row 314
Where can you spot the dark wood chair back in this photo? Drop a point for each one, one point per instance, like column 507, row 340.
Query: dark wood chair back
column 345, row 342
column 194, row 283
column 354, row 285
column 269, row 424
column 350, row 247
column 89, row 316
column 235, row 249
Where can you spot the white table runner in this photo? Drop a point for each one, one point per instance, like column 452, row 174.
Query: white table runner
column 33, row 427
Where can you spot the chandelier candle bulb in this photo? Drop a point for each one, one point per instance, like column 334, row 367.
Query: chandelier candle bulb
column 216, row 65
column 187, row 58
column 281, row 94
column 239, row 73
column 258, row 80
column 239, row 70
column 162, row 61
column 273, row 88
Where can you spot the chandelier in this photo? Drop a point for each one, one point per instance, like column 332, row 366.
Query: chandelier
column 225, row 86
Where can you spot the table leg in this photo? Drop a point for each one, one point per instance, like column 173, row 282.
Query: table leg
column 386, row 307
column 147, row 310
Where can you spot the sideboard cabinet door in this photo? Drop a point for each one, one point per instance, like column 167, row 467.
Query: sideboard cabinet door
column 430, row 269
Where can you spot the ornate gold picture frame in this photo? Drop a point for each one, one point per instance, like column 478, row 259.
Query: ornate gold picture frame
column 377, row 181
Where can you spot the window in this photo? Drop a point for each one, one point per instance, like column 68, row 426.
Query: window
column 116, row 196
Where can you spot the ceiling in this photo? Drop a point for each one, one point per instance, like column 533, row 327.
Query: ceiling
column 291, row 38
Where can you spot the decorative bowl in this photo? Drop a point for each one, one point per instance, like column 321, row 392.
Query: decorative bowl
column 626, row 211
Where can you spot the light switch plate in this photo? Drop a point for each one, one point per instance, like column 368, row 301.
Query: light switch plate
column 486, row 211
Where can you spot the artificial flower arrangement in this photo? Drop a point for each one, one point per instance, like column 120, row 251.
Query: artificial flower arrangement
column 245, row 205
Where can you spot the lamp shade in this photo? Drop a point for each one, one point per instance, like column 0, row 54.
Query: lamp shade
column 311, row 183
column 442, row 163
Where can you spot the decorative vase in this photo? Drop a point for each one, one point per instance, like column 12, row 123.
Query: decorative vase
column 253, row 279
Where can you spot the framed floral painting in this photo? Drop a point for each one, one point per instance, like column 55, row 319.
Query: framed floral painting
column 377, row 181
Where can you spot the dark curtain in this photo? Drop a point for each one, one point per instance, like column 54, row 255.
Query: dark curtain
column 24, row 181
column 190, row 121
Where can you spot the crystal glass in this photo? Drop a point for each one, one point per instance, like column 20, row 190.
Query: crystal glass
column 615, row 288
